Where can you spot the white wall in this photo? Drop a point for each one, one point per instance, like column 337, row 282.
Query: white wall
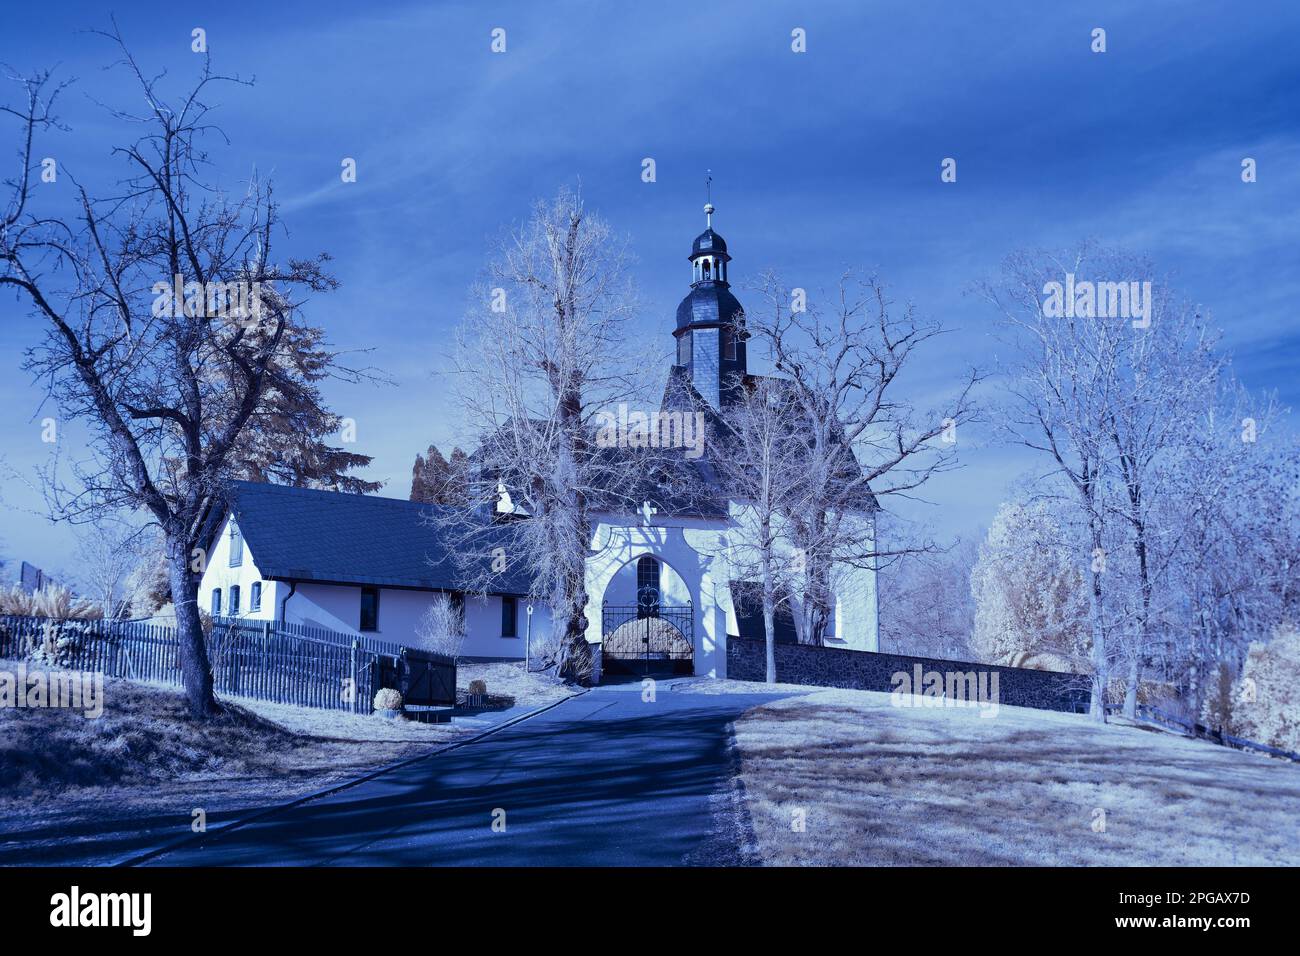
column 854, row 623
column 219, row 574
column 338, row 608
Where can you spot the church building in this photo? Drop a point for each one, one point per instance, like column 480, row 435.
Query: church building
column 663, row 591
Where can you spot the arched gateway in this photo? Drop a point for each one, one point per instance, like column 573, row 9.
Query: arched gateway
column 653, row 635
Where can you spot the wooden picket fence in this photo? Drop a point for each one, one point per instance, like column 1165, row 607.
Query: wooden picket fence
column 265, row 660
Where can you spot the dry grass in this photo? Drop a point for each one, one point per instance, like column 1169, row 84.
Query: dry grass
column 885, row 785
column 508, row 684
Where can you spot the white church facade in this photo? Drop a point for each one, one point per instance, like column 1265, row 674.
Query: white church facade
column 663, row 588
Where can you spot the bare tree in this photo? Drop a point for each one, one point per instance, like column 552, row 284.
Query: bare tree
column 168, row 383
column 111, row 557
column 926, row 607
column 843, row 356
column 761, row 462
column 541, row 359
column 1164, row 370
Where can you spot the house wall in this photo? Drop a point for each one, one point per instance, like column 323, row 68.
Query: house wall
column 219, row 574
column 338, row 607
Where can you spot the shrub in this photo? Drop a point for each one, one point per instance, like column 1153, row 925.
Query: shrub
column 388, row 699
column 478, row 686
column 53, row 601
column 58, row 643
column 441, row 628
column 1266, row 697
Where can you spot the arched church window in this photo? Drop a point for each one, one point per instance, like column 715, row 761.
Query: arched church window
column 647, row 587
column 684, row 349
column 729, row 344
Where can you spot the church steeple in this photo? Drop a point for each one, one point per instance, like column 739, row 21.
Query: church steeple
column 710, row 321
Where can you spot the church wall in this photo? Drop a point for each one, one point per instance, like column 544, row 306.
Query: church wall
column 673, row 590
column 855, row 621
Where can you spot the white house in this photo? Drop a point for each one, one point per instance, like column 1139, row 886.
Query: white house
column 358, row 564
column 660, row 583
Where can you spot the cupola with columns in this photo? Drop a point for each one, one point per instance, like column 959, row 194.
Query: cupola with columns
column 710, row 328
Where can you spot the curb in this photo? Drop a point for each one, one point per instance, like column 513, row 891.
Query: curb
column 138, row 858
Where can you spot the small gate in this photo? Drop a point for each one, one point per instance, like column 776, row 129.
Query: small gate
column 424, row 678
column 647, row 638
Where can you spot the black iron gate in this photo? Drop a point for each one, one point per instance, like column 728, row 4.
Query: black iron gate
column 647, row 638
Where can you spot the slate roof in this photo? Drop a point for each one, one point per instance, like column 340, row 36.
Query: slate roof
column 302, row 534
column 709, row 303
column 707, row 241
column 680, row 394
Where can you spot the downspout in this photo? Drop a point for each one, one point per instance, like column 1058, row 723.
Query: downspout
column 293, row 586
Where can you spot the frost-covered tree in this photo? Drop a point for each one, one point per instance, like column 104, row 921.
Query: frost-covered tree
column 1031, row 597
column 542, row 355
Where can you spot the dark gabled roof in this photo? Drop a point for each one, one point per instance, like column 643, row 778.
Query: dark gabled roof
column 302, row 534
column 680, row 394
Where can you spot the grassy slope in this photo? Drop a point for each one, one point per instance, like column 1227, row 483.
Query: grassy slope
column 889, row 785
column 70, row 788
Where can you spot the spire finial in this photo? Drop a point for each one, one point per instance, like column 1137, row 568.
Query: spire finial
column 708, row 195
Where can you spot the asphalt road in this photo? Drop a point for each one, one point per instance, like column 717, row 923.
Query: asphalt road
column 604, row 779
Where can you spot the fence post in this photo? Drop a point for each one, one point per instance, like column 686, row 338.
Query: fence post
column 352, row 678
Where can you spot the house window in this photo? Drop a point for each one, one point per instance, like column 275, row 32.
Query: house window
column 647, row 587
column 255, row 599
column 234, row 601
column 509, row 613
column 216, row 602
column 236, row 546
column 370, row 609
column 684, row 349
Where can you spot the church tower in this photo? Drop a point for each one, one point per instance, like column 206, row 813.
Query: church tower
column 710, row 322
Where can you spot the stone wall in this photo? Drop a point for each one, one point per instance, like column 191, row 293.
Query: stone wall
column 866, row 670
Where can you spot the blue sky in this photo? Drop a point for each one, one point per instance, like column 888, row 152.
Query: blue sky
column 820, row 160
